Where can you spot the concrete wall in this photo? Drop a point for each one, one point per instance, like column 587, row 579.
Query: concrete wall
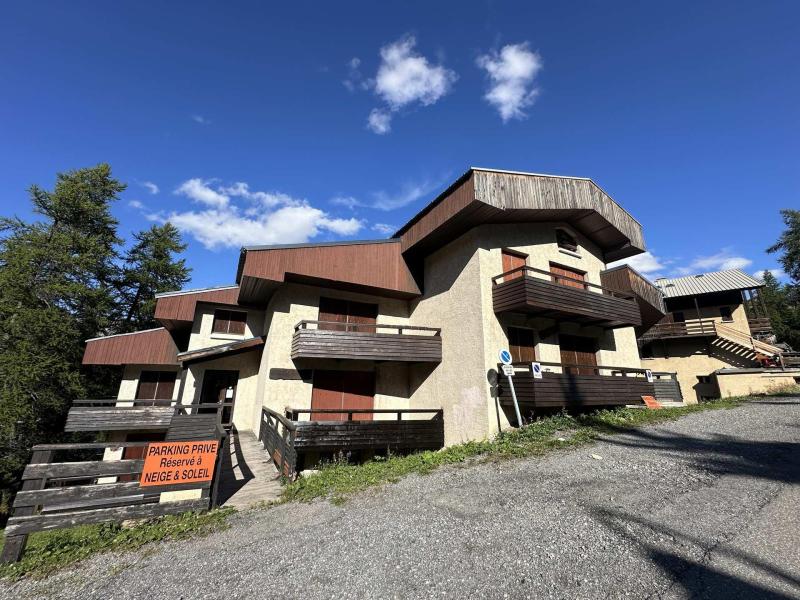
column 711, row 313
column 748, row 383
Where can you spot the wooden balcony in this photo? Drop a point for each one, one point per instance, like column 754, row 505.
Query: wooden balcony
column 695, row 328
column 649, row 298
column 287, row 439
column 595, row 386
column 144, row 415
column 366, row 341
column 760, row 326
column 541, row 293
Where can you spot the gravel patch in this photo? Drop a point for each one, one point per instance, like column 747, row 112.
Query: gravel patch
column 703, row 507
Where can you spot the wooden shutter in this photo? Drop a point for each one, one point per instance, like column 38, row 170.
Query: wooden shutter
column 236, row 322
column 221, row 318
column 342, row 390
column 513, row 260
column 361, row 313
column 578, row 350
column 521, row 344
column 560, row 272
column 333, row 311
column 156, row 385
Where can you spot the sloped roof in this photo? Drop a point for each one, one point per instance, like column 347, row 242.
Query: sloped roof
column 707, row 283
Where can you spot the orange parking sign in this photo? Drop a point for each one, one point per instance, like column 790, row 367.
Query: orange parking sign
column 172, row 463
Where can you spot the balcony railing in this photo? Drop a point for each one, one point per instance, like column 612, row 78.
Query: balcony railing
column 287, row 439
column 366, row 341
column 542, row 293
column 695, row 328
column 581, row 386
column 649, row 298
column 138, row 414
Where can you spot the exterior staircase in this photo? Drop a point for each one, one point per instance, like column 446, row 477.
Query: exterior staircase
column 744, row 345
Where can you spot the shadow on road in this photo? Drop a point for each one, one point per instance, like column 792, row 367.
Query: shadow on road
column 695, row 577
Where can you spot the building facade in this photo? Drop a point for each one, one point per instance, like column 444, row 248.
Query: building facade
column 408, row 329
column 716, row 336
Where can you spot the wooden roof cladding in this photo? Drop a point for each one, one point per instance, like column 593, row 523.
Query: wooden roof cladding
column 486, row 196
column 177, row 309
column 375, row 267
column 151, row 347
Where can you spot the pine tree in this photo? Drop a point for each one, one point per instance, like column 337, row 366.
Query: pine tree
column 788, row 245
column 150, row 268
column 57, row 279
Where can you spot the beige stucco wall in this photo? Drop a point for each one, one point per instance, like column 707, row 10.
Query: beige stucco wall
column 744, row 384
column 293, row 303
column 711, row 313
column 690, row 358
column 202, row 336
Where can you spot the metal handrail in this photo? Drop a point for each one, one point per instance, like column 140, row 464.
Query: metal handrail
column 373, row 326
column 498, row 279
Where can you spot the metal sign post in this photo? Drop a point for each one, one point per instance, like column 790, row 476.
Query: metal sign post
column 508, row 371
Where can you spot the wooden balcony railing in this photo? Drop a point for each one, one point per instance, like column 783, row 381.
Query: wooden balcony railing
column 537, row 292
column 649, row 298
column 581, row 386
column 698, row 327
column 135, row 414
column 366, row 341
column 287, row 440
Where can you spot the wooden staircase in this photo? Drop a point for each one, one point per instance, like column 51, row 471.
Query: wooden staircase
column 743, row 344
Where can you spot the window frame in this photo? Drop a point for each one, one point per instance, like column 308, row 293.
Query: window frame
column 228, row 313
column 729, row 318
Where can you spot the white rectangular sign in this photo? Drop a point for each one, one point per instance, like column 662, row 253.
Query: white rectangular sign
column 536, row 369
column 649, row 374
column 508, row 370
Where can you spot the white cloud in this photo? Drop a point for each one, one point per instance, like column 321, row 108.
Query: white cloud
column 646, row 263
column 348, row 201
column 410, row 192
column 721, row 261
column 354, row 80
column 200, row 119
column 776, row 273
column 200, row 190
column 512, row 72
column 384, row 228
column 149, row 186
column 136, row 204
column 264, row 218
column 379, row 121
column 405, row 77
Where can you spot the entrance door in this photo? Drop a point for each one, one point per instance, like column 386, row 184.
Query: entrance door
column 578, row 350
column 513, row 260
column 219, row 387
column 564, row 272
column 342, row 390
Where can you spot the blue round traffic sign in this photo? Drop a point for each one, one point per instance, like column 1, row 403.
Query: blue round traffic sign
column 505, row 357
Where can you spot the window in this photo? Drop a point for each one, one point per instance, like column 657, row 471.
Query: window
column 566, row 241
column 678, row 317
column 156, row 385
column 229, row 321
column 521, row 344
column 513, row 260
column 703, row 379
column 725, row 313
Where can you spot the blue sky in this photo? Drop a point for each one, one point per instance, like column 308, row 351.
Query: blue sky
column 290, row 122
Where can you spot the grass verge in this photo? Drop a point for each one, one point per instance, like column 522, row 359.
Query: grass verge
column 338, row 480
column 48, row 551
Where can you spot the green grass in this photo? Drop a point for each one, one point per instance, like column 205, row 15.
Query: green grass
column 338, row 480
column 48, row 551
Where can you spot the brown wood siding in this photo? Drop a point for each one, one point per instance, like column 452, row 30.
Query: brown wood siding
column 373, row 268
column 531, row 295
column 648, row 297
column 179, row 309
column 154, row 347
column 496, row 197
column 574, row 391
column 317, row 343
column 342, row 390
column 118, row 418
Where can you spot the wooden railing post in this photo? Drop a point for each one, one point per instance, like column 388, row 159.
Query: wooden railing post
column 14, row 545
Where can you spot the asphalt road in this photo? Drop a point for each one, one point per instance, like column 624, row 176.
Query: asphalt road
column 704, row 507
